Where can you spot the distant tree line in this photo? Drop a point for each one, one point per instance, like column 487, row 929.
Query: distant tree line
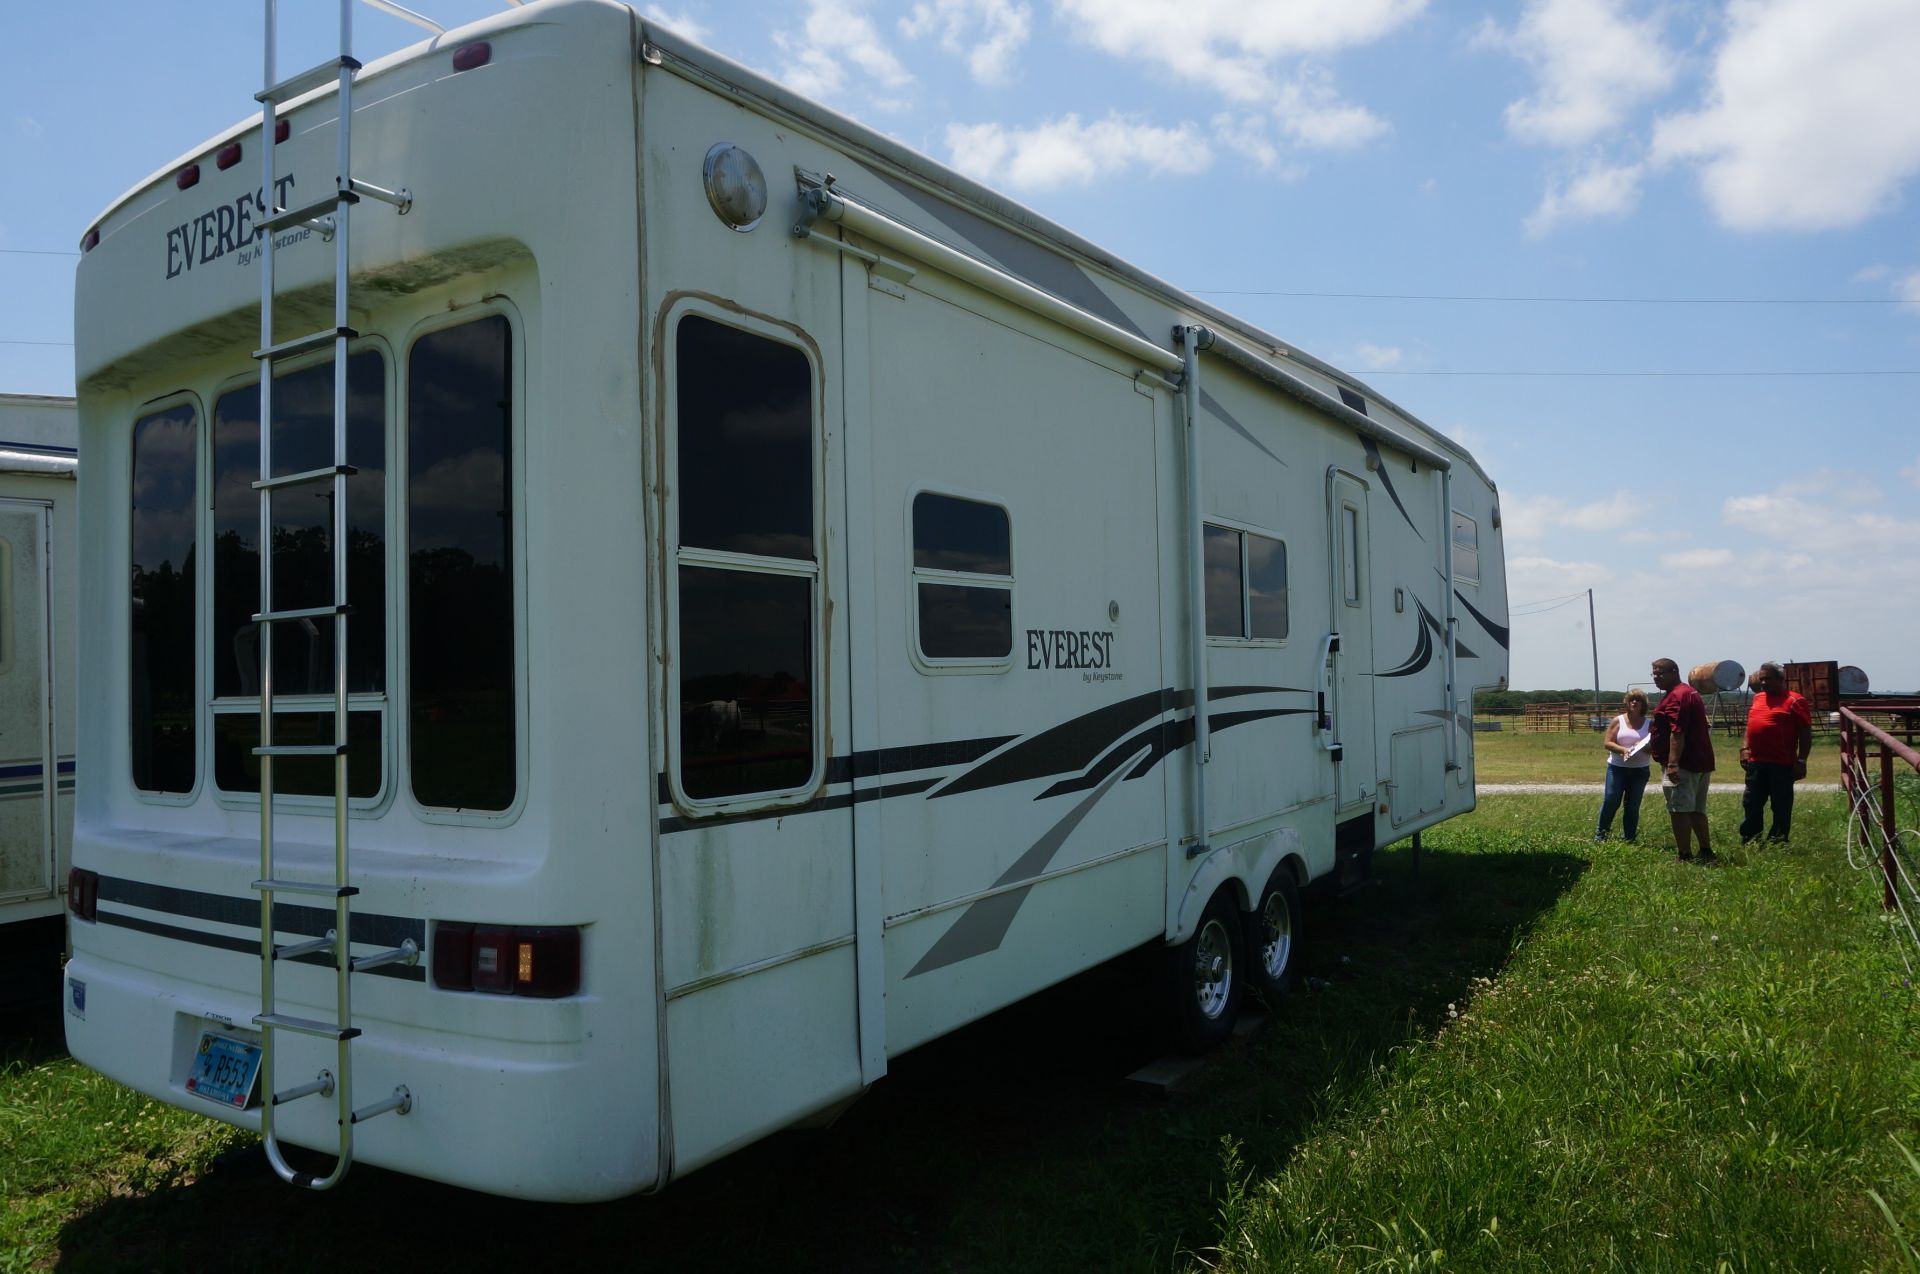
column 1516, row 700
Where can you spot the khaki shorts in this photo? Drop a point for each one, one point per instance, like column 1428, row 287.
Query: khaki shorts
column 1686, row 792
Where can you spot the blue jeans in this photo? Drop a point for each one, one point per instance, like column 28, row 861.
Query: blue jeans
column 1624, row 783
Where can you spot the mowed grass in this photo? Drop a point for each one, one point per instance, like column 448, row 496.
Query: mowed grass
column 1523, row 1051
column 1508, row 756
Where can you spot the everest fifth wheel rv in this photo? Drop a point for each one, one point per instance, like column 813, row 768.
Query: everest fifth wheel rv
column 37, row 467
column 647, row 599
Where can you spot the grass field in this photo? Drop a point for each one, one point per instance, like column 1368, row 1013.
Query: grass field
column 1503, row 756
column 1525, row 1051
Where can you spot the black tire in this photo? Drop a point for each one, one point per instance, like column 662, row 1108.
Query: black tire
column 1206, row 977
column 1273, row 938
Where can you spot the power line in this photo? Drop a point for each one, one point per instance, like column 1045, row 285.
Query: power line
column 67, row 344
column 1566, row 300
column 36, row 252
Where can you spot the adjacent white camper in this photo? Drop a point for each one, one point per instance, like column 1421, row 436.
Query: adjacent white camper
column 742, row 600
column 38, row 461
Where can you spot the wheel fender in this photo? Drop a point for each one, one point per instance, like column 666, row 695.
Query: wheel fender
column 1248, row 864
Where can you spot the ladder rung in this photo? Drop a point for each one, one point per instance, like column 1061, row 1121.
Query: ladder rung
column 293, row 951
column 312, row 78
column 307, row 612
column 305, row 477
column 320, row 888
column 302, row 749
column 307, row 212
column 301, row 344
column 401, row 198
column 406, row 953
column 323, row 1085
column 401, row 1101
column 306, row 1026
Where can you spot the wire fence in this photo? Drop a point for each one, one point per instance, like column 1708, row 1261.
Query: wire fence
column 1881, row 797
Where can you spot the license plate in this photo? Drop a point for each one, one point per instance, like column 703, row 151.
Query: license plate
column 224, row 1070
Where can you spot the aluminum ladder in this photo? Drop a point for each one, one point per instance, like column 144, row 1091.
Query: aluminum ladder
column 329, row 216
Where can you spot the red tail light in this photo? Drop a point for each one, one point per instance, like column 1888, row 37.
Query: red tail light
column 187, row 177
column 282, row 129
column 83, row 893
column 229, row 156
column 469, row 56
column 541, row 962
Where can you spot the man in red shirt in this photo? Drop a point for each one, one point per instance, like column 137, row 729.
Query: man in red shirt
column 1683, row 748
column 1779, row 736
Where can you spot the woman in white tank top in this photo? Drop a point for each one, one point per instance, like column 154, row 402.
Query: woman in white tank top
column 1627, row 768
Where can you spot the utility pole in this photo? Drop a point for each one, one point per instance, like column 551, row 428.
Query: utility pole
column 1595, row 638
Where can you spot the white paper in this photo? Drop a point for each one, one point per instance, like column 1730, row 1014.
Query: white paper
column 1641, row 746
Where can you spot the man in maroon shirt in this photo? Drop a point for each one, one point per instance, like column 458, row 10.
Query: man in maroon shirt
column 1779, row 736
column 1683, row 749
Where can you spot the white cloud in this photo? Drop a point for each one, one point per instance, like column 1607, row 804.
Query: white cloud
column 681, row 23
column 1908, row 290
column 1697, row 559
column 1592, row 64
column 1311, row 112
column 1813, row 118
column 1533, row 578
column 1065, row 152
column 1252, row 54
column 1246, row 135
column 836, row 32
column 988, row 33
column 1376, row 357
column 1430, row 185
column 1529, row 519
column 1871, row 273
column 1912, row 472
column 1600, row 191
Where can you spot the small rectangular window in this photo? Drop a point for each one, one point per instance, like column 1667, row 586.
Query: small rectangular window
column 461, row 714
column 1226, row 589
column 963, row 577
column 747, row 573
column 1350, row 552
column 1466, row 549
column 161, row 701
column 1246, row 585
column 1266, row 587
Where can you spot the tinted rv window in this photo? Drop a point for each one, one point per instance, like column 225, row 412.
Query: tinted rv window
column 963, row 573
column 1226, row 614
column 1466, row 550
column 302, row 532
column 163, row 710
column 460, row 643
column 1266, row 587
column 747, row 573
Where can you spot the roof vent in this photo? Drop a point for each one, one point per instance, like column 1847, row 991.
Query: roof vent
column 1353, row 400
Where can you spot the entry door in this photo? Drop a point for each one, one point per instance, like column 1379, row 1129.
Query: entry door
column 26, row 753
column 1353, row 724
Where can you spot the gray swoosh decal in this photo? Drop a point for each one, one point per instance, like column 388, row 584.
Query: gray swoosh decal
column 1226, row 417
column 1048, row 271
column 983, row 925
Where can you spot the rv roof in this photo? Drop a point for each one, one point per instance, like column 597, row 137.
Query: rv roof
column 684, row 57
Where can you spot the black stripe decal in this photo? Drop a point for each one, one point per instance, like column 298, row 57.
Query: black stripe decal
column 191, row 904
column 883, row 761
column 1459, row 647
column 837, row 802
column 1165, row 738
column 1494, row 630
column 1380, row 471
column 1422, row 652
column 250, row 946
column 1208, row 402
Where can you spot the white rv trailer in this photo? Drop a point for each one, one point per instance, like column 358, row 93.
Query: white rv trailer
column 780, row 571
column 38, row 460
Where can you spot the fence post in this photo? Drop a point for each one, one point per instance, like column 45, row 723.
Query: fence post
column 1888, row 826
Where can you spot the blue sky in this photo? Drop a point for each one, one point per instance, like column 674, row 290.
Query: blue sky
column 1506, row 216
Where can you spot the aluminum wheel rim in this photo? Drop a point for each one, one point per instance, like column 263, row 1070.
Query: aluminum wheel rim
column 1212, row 969
column 1278, row 948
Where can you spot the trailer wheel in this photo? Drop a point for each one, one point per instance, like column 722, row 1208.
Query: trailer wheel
column 1206, row 973
column 1273, row 936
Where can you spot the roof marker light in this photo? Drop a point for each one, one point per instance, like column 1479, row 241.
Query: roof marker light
column 229, row 156
column 187, row 177
column 469, row 56
column 92, row 240
column 282, row 129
